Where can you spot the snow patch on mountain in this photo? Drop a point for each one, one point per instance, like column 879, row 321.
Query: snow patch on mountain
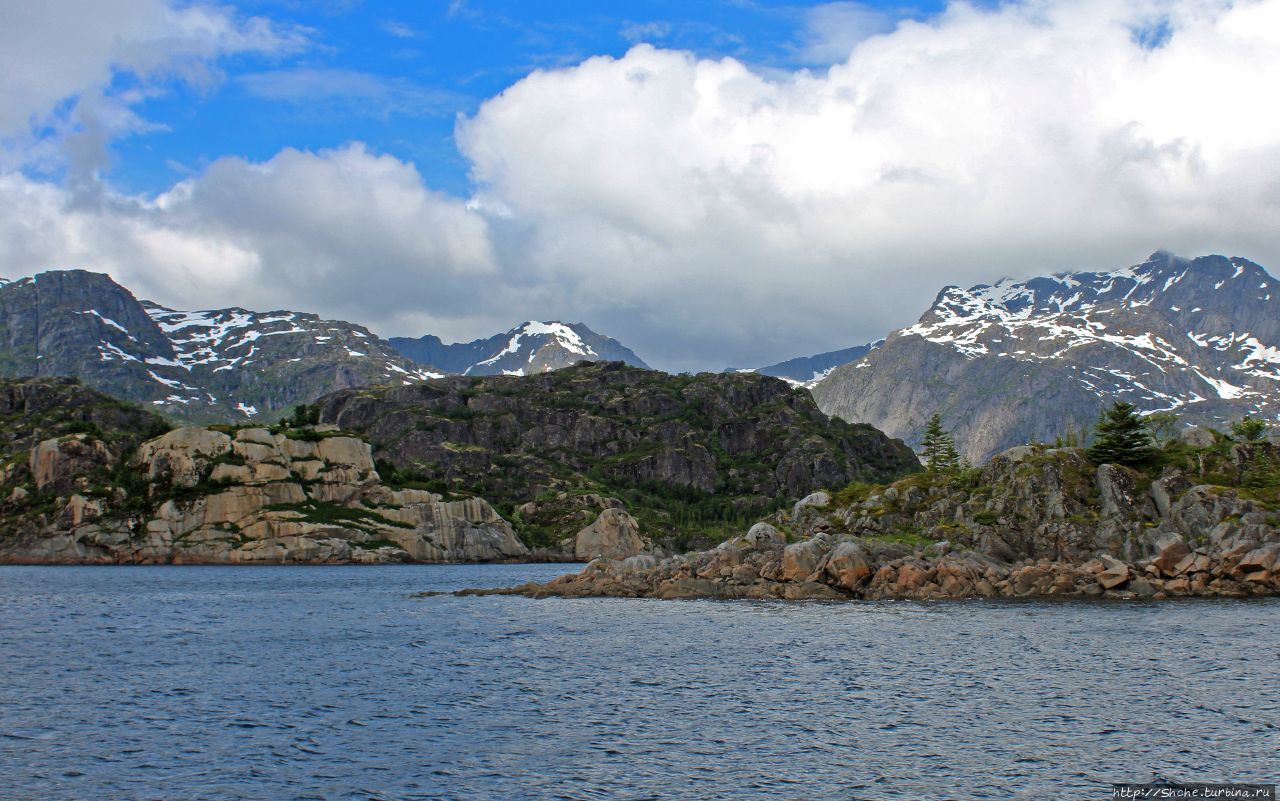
column 1133, row 313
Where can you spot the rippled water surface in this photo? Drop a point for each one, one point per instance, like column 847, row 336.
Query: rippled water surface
column 333, row 683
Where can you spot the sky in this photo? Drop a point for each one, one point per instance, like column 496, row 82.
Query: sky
column 714, row 184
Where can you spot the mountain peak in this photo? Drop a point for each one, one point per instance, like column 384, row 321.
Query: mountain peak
column 532, row 347
column 197, row 366
column 1200, row 336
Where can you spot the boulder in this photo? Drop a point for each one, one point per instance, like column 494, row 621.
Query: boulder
column 1114, row 574
column 1193, row 563
column 848, row 566
column 817, row 499
column 761, row 536
column 810, row 591
column 1258, row 564
column 1196, row 437
column 1170, row 550
column 802, row 559
column 614, row 534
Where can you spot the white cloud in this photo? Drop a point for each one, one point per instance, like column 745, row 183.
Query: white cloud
column 709, row 215
column 833, row 30
column 344, row 232
column 645, row 31
column 55, row 54
column 750, row 214
column 349, row 92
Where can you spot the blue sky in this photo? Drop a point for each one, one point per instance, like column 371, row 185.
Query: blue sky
column 397, row 75
column 713, row 183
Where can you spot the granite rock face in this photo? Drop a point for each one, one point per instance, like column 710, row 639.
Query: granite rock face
column 250, row 495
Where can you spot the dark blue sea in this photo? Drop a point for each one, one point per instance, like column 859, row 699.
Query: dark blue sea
column 186, row 683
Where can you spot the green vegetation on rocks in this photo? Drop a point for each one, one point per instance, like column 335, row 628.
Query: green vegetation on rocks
column 693, row 457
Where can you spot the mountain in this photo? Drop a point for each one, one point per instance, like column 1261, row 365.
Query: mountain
column 807, row 371
column 194, row 366
column 688, row 454
column 530, row 348
column 1022, row 361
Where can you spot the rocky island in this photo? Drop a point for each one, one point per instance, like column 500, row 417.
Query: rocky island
column 1034, row 521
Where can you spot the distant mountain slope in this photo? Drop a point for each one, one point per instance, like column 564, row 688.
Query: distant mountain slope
column 1016, row 361
column 530, row 348
column 193, row 366
column 806, row 371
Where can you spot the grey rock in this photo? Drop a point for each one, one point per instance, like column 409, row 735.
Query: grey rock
column 817, row 500
column 1196, row 437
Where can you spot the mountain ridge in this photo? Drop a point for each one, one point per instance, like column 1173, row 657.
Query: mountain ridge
column 1200, row 337
column 806, row 371
column 217, row 365
column 531, row 347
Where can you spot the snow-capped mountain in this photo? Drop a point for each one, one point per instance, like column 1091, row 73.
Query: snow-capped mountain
column 1017, row 361
column 533, row 347
column 201, row 366
column 807, row 371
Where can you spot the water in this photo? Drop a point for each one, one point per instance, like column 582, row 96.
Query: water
column 332, row 683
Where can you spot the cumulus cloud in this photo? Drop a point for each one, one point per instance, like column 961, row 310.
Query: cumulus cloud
column 704, row 205
column 708, row 214
column 61, row 61
column 344, row 232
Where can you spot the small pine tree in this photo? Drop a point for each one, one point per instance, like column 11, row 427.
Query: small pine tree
column 939, row 448
column 304, row 414
column 1121, row 437
column 1249, row 428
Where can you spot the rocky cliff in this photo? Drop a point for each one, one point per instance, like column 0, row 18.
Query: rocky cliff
column 1034, row 521
column 1024, row 361
column 82, row 482
column 685, row 453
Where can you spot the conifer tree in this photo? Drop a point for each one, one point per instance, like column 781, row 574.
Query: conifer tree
column 939, row 448
column 1121, row 437
column 1249, row 428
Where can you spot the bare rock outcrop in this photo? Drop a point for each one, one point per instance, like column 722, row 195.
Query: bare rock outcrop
column 250, row 496
column 614, row 535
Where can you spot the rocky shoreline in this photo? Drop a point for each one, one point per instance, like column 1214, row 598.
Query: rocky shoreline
column 1033, row 522
column 758, row 566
